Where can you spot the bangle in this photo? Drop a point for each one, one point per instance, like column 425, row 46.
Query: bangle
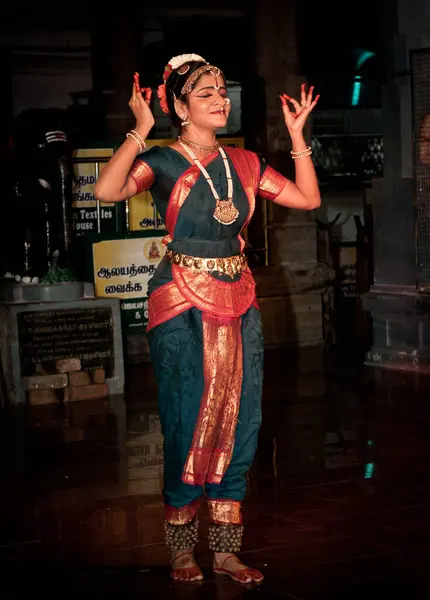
column 140, row 138
column 301, row 153
column 131, row 135
column 137, row 138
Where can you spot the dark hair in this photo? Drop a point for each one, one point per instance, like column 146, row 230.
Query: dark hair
column 174, row 85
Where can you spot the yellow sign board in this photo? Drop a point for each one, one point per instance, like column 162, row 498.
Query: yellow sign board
column 89, row 216
column 122, row 268
column 88, row 163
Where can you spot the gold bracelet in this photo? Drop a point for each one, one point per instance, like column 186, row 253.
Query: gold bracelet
column 298, row 153
column 301, row 153
column 302, row 156
column 142, row 141
column 136, row 139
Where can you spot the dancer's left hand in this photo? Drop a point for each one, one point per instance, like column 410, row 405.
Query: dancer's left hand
column 295, row 119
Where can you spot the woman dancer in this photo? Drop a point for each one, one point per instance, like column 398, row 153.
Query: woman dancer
column 204, row 326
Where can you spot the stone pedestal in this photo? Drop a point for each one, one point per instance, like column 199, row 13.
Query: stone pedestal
column 401, row 328
column 400, row 312
column 57, row 347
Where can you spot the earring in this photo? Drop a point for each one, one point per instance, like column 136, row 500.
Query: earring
column 185, row 121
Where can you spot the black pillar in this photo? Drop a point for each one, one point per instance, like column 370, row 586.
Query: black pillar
column 116, row 38
column 399, row 308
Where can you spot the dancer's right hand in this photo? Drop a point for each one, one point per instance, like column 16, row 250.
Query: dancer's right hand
column 139, row 104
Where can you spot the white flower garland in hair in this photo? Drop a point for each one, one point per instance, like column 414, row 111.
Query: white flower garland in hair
column 178, row 61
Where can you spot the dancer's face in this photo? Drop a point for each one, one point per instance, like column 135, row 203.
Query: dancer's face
column 208, row 105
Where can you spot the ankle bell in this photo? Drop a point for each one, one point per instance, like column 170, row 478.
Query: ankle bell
column 225, row 537
column 182, row 537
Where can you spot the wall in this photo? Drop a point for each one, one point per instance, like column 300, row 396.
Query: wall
column 47, row 67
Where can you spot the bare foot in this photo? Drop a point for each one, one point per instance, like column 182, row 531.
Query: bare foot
column 229, row 564
column 184, row 566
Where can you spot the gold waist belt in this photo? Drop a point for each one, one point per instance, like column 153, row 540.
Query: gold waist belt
column 227, row 266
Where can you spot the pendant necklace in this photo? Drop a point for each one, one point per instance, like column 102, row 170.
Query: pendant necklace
column 225, row 211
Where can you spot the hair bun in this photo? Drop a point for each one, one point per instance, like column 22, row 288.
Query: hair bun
column 177, row 61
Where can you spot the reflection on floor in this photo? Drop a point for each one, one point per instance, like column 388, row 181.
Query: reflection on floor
column 338, row 504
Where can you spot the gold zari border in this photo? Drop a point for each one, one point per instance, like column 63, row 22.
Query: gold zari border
column 183, row 515
column 214, row 434
column 225, row 511
column 142, row 174
column 271, row 184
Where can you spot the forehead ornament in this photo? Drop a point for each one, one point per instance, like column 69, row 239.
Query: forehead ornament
column 189, row 84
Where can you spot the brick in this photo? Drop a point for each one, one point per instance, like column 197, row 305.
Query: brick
column 86, row 392
column 79, row 378
column 68, row 365
column 44, row 382
column 98, row 375
column 37, row 397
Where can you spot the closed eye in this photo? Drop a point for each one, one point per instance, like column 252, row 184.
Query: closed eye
column 206, row 92
column 223, row 95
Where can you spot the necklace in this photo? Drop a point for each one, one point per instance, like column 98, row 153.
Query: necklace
column 198, row 147
column 225, row 211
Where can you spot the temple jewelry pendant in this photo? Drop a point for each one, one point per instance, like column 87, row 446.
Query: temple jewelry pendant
column 225, row 212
